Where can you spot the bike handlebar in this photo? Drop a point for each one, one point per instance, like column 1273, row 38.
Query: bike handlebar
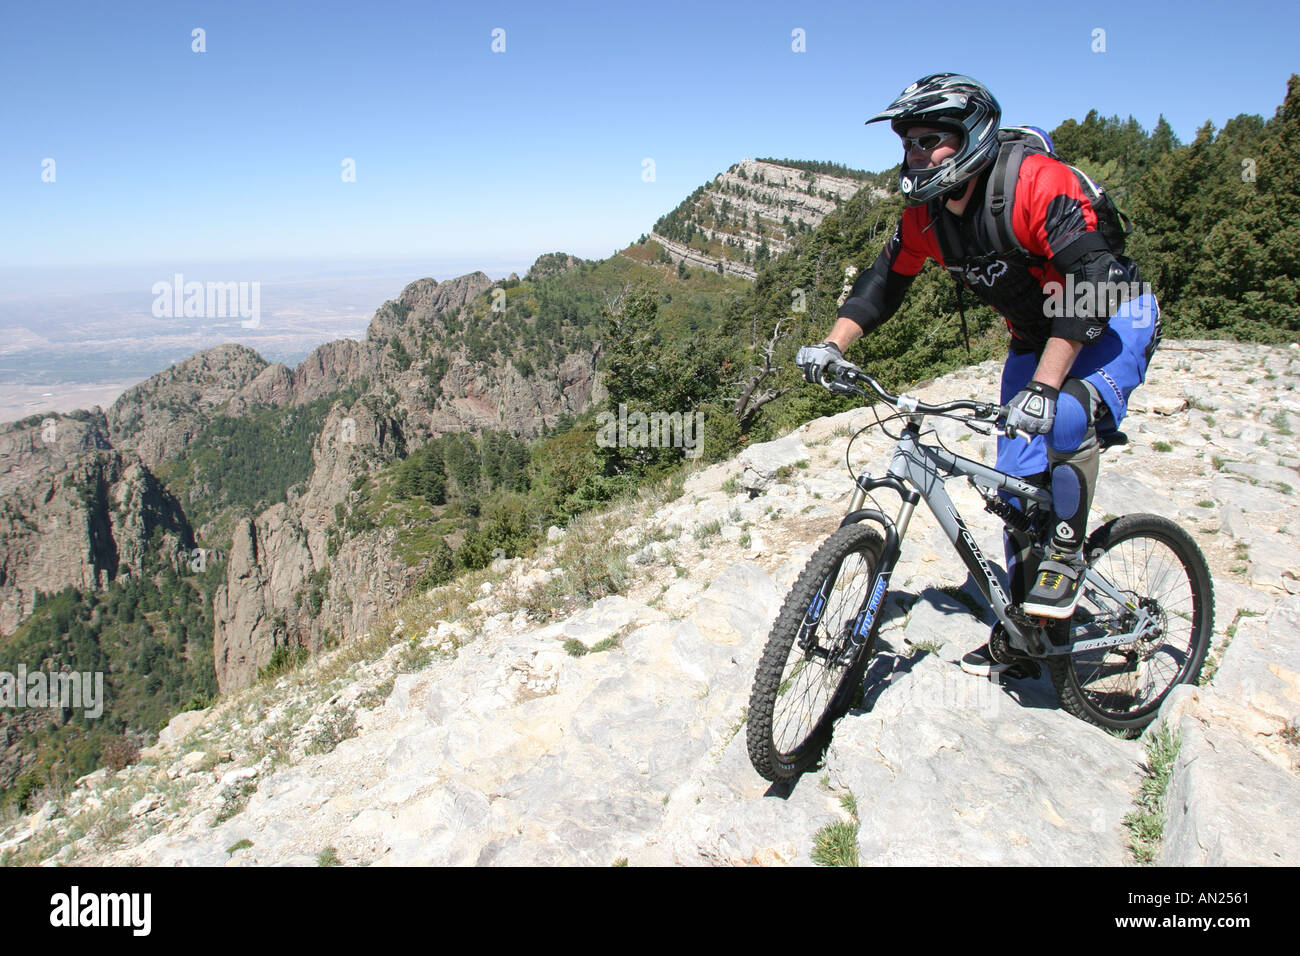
column 842, row 378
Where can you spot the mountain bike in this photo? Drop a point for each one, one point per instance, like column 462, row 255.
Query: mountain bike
column 1142, row 625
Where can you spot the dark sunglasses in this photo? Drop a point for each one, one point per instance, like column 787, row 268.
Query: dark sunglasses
column 927, row 142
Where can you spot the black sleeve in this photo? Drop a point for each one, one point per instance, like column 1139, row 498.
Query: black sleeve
column 878, row 292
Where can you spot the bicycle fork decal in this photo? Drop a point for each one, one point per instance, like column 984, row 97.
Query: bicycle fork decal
column 867, row 616
column 815, row 609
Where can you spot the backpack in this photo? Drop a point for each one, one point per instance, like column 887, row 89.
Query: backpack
column 1016, row 142
column 1113, row 224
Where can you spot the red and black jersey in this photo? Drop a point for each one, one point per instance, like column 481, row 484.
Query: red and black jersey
column 1050, row 213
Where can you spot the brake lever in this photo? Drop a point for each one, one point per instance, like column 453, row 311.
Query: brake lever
column 838, row 385
column 1000, row 421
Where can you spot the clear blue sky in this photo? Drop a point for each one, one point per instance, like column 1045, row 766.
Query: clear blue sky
column 164, row 155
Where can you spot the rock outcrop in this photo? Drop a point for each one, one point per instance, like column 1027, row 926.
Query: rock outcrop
column 260, row 607
column 751, row 206
column 329, row 369
column 74, row 511
column 156, row 419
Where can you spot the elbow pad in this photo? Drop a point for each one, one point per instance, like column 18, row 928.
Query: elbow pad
column 1096, row 285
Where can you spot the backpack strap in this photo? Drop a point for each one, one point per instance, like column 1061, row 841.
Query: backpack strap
column 945, row 234
column 1001, row 199
column 961, row 310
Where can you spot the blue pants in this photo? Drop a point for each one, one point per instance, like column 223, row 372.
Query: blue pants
column 1112, row 366
column 1095, row 395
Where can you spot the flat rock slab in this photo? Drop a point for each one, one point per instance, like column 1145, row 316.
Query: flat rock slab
column 1261, row 667
column 1252, row 499
column 1227, row 805
column 951, row 769
column 1119, row 494
column 732, row 817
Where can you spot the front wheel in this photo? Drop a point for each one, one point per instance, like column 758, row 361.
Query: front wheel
column 815, row 656
column 1158, row 568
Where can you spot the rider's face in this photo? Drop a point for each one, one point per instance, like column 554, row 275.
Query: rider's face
column 918, row 158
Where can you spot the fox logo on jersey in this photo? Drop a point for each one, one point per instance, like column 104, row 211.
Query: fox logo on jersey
column 987, row 274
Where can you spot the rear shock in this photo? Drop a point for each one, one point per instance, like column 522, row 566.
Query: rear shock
column 1011, row 516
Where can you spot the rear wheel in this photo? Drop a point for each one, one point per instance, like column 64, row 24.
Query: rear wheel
column 1159, row 569
column 815, row 656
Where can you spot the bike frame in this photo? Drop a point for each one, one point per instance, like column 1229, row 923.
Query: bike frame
column 917, row 472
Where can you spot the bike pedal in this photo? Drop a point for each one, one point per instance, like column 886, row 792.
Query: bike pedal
column 1024, row 670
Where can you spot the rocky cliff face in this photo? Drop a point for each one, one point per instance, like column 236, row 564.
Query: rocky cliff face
column 75, row 511
column 472, row 394
column 275, row 554
column 328, row 369
column 502, row 398
column 78, row 496
column 157, row 418
column 272, row 556
column 753, row 205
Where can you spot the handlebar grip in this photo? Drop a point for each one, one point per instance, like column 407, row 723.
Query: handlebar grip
column 1013, row 433
column 837, row 377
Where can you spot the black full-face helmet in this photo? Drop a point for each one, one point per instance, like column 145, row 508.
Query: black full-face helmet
column 946, row 101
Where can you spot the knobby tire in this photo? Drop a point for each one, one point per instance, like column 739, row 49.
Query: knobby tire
column 799, row 692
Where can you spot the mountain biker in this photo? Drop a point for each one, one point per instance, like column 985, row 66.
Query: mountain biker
column 1069, row 370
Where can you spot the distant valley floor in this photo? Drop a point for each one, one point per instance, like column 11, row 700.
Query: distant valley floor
column 20, row 401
